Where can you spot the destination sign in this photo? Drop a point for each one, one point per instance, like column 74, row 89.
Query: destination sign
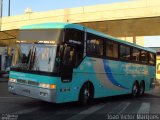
column 75, row 42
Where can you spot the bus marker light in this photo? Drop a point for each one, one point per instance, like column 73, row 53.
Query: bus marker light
column 52, row 86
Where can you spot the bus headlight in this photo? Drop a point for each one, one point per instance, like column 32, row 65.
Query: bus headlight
column 49, row 86
column 43, row 85
column 12, row 80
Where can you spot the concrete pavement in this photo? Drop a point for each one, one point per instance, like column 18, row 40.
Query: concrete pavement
column 155, row 91
column 3, row 79
column 26, row 108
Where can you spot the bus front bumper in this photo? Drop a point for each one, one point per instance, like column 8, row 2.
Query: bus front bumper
column 48, row 95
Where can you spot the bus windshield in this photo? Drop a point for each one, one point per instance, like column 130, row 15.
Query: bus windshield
column 37, row 50
column 36, row 57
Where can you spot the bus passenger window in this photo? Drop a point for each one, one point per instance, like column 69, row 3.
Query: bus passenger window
column 152, row 58
column 69, row 56
column 75, row 38
column 125, row 52
column 144, row 56
column 94, row 45
column 136, row 55
column 111, row 49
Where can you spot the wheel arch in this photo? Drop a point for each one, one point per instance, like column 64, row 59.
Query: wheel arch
column 136, row 81
column 91, row 84
column 142, row 81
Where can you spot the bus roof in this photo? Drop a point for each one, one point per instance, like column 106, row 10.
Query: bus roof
column 53, row 25
column 62, row 25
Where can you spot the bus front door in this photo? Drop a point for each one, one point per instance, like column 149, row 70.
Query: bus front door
column 67, row 64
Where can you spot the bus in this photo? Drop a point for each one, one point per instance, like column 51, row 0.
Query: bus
column 64, row 62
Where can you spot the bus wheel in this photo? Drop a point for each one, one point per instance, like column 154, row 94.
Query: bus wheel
column 86, row 94
column 135, row 89
column 141, row 88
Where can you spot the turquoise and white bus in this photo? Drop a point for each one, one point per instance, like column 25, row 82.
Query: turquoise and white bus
column 63, row 62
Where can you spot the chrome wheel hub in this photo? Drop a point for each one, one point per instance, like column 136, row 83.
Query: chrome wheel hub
column 86, row 93
column 135, row 90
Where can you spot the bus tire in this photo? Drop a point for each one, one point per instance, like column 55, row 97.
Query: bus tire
column 141, row 88
column 86, row 93
column 135, row 89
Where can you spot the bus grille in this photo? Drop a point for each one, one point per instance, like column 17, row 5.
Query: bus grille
column 27, row 82
column 33, row 83
column 22, row 81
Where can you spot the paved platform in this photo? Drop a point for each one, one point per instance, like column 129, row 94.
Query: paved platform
column 155, row 91
column 25, row 108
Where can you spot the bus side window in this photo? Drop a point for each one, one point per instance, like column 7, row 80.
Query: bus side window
column 94, row 45
column 75, row 38
column 135, row 55
column 144, row 56
column 72, row 56
column 125, row 52
column 111, row 49
column 152, row 58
